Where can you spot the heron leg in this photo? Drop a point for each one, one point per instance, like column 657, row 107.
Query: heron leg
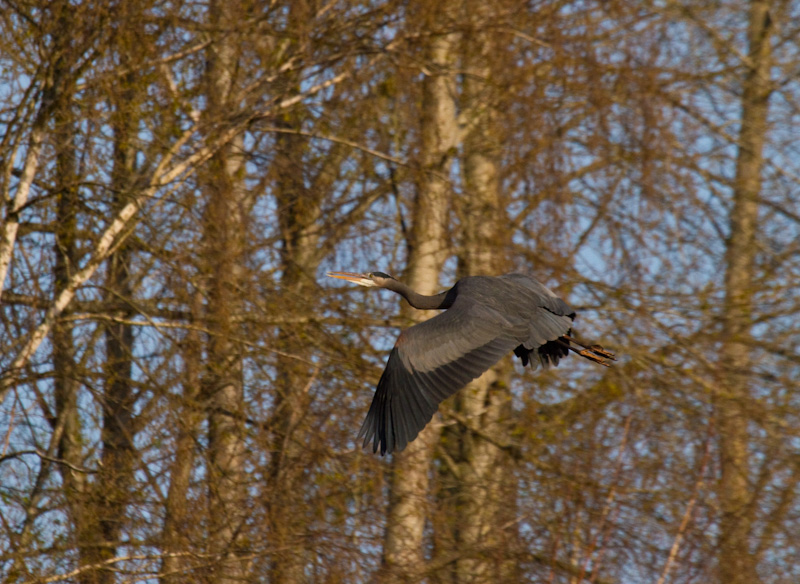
column 594, row 353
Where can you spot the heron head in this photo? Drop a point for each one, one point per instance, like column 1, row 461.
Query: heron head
column 369, row 279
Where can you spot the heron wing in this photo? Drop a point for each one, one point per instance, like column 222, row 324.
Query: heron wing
column 539, row 295
column 548, row 321
column 431, row 361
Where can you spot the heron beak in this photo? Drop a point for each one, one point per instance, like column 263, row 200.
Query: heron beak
column 360, row 279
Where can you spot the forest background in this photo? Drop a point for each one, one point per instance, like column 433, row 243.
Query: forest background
column 181, row 386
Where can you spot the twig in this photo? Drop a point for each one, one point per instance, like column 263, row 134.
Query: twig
column 607, row 507
column 673, row 552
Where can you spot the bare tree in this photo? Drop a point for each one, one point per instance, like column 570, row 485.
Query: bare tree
column 78, row 487
column 737, row 563
column 299, row 194
column 227, row 205
column 181, row 390
column 428, row 246
column 483, row 511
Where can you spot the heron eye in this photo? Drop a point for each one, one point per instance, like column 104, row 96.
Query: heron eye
column 379, row 275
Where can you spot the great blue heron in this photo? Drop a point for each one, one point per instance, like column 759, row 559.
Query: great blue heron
column 485, row 318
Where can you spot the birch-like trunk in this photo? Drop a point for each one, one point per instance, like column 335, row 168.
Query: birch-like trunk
column 225, row 232
column 224, row 383
column 13, row 206
column 737, row 563
column 428, row 249
column 481, row 489
column 225, row 229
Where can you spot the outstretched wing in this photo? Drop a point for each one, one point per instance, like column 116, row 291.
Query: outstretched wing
column 431, row 361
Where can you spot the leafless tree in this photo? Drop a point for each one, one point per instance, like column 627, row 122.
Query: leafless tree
column 180, row 389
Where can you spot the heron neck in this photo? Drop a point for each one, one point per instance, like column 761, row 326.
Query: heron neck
column 421, row 301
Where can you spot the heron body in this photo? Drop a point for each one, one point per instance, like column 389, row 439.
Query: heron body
column 485, row 318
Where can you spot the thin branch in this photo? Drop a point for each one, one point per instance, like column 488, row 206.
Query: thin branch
column 337, row 140
column 597, row 540
column 48, row 458
column 673, row 552
column 113, row 236
column 104, row 563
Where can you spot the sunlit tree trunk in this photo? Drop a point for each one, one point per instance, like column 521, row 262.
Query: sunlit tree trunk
column 428, row 249
column 13, row 206
column 481, row 488
column 737, row 563
column 225, row 228
column 224, row 383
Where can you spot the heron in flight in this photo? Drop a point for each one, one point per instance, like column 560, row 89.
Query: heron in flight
column 485, row 317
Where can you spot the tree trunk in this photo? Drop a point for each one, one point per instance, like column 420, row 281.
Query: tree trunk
column 225, row 231
column 111, row 490
column 428, row 247
column 737, row 564
column 66, row 379
column 178, row 518
column 224, row 383
column 481, row 489
column 78, row 490
column 299, row 219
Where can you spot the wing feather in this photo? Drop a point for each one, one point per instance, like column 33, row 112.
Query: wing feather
column 430, row 362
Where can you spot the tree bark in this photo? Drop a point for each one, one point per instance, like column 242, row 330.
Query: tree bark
column 428, row 248
column 111, row 490
column 737, row 563
column 178, row 518
column 224, row 383
column 10, row 227
column 225, row 229
column 78, row 490
column 66, row 379
column 481, row 489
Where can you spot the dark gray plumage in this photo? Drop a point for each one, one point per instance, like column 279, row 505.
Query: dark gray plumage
column 486, row 317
